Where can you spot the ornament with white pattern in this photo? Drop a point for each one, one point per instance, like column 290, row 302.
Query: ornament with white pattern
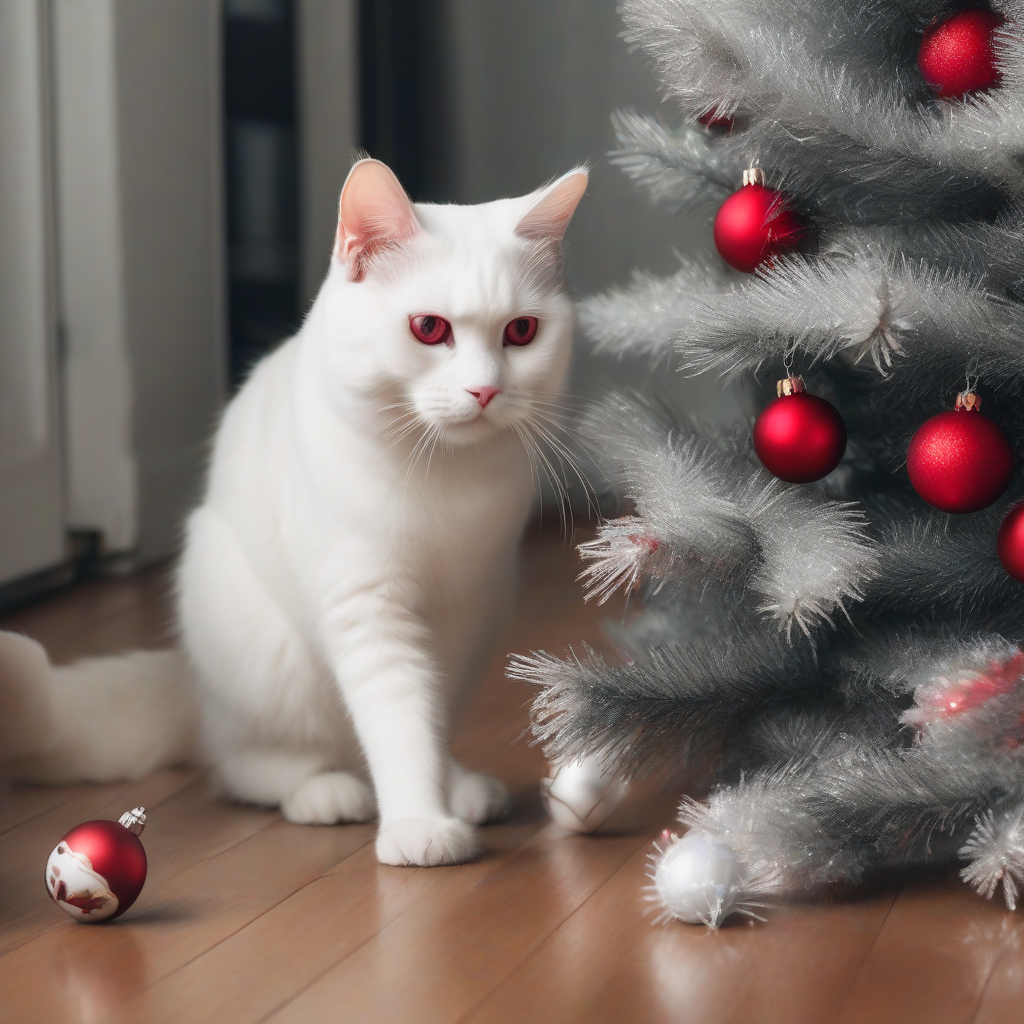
column 96, row 872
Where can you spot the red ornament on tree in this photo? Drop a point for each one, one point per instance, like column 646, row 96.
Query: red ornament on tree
column 712, row 119
column 956, row 55
column 1010, row 542
column 960, row 461
column 754, row 224
column 97, row 870
column 799, row 437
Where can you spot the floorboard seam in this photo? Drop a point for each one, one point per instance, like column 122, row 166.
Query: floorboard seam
column 369, row 938
column 867, row 953
column 547, row 938
column 252, row 920
column 38, row 814
column 984, row 988
column 327, row 970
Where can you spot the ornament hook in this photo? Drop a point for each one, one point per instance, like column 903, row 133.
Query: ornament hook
column 789, row 385
column 969, row 399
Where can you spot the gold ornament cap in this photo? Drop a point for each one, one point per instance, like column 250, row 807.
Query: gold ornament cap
column 790, row 386
column 968, row 401
column 753, row 176
column 134, row 820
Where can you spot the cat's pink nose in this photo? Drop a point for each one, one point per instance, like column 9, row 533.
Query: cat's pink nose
column 484, row 395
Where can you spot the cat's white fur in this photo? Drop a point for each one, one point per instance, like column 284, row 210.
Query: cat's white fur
column 355, row 550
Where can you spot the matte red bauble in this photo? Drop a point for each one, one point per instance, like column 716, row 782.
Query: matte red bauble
column 1010, row 543
column 96, row 872
column 799, row 437
column 755, row 224
column 960, row 461
column 956, row 55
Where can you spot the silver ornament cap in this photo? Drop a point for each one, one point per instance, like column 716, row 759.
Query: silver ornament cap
column 134, row 820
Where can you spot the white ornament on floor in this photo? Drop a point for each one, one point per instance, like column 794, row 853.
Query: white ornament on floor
column 580, row 796
column 697, row 879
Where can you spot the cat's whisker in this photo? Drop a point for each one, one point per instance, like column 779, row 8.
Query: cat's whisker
column 394, row 442
column 525, row 439
column 403, row 424
column 567, row 457
column 560, row 486
column 438, row 437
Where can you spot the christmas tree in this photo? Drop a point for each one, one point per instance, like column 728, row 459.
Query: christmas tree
column 830, row 657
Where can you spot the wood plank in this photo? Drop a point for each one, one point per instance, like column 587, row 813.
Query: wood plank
column 262, row 966
column 611, row 961
column 100, row 616
column 451, row 950
column 933, row 956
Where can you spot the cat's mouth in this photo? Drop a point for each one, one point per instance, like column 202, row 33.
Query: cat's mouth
column 468, row 427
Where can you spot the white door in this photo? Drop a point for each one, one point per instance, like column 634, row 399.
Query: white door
column 31, row 504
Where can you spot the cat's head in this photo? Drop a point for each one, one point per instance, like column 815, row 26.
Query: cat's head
column 447, row 319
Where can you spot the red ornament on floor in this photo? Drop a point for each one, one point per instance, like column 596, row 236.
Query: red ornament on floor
column 799, row 437
column 754, row 224
column 96, row 872
column 956, row 55
column 960, row 461
column 1010, row 542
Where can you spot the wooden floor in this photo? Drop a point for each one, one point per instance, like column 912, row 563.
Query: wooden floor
column 247, row 918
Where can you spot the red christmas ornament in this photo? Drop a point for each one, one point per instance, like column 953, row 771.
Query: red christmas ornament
column 754, row 224
column 97, row 870
column 956, row 55
column 712, row 119
column 960, row 461
column 1010, row 542
column 799, row 437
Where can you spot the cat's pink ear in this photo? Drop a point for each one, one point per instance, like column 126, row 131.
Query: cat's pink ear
column 374, row 213
column 553, row 207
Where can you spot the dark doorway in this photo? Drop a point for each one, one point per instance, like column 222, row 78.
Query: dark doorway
column 261, row 149
column 403, row 82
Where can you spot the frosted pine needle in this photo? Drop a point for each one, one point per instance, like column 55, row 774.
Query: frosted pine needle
column 995, row 851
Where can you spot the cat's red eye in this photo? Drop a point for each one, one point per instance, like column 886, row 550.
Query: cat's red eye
column 521, row 331
column 430, row 329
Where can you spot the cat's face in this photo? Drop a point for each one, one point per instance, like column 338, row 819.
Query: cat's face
column 449, row 321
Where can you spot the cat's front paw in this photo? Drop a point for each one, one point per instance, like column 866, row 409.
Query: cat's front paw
column 426, row 842
column 330, row 798
column 477, row 797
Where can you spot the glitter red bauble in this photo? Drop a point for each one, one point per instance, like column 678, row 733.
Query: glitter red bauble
column 1010, row 543
column 956, row 55
column 96, row 872
column 959, row 461
column 754, row 224
column 800, row 437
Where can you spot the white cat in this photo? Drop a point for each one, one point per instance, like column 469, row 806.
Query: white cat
column 355, row 550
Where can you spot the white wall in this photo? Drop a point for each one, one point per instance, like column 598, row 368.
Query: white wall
column 31, row 499
column 140, row 224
